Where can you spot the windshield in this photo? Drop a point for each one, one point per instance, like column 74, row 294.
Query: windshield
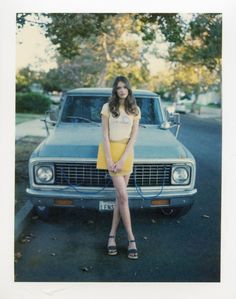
column 85, row 109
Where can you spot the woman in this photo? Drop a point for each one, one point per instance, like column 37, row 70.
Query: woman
column 120, row 120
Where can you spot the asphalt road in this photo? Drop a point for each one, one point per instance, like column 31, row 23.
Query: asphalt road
column 71, row 247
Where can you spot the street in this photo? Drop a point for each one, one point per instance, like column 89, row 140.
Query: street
column 71, row 246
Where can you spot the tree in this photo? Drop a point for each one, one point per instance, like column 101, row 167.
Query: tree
column 111, row 43
column 101, row 46
column 94, row 48
column 21, row 19
column 171, row 25
column 206, row 29
column 194, row 50
column 201, row 36
column 200, row 54
column 195, row 79
column 67, row 30
column 25, row 77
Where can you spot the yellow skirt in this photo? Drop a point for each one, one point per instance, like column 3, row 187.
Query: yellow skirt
column 116, row 152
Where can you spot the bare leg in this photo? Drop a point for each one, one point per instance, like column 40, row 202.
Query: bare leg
column 132, row 245
column 116, row 217
column 120, row 184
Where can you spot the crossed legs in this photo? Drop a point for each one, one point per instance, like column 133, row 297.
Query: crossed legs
column 120, row 183
column 121, row 210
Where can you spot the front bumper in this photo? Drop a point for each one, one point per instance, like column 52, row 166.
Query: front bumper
column 90, row 198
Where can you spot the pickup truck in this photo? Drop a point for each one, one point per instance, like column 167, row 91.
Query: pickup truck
column 62, row 169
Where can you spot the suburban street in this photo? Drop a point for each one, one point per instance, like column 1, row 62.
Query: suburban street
column 71, row 246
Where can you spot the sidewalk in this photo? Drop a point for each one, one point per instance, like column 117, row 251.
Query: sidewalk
column 31, row 128
column 208, row 112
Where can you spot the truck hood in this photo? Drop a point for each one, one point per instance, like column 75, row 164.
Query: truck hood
column 81, row 141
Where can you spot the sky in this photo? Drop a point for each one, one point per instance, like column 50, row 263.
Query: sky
column 34, row 49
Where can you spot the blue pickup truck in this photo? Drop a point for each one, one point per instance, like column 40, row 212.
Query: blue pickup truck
column 62, row 169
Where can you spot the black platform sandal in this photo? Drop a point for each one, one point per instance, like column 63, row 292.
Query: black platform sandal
column 111, row 250
column 132, row 253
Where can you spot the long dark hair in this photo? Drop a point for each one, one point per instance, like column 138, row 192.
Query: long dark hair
column 130, row 102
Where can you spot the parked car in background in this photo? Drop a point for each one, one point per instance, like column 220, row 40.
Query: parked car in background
column 183, row 105
column 62, row 169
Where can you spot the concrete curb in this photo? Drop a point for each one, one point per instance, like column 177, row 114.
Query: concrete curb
column 22, row 218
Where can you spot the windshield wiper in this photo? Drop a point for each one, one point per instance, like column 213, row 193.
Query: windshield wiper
column 83, row 118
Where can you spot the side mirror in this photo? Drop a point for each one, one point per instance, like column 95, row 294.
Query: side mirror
column 174, row 119
column 53, row 115
column 50, row 118
column 165, row 125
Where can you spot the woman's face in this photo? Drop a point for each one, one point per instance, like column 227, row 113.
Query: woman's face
column 122, row 90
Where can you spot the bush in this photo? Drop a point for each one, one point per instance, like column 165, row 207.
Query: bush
column 32, row 102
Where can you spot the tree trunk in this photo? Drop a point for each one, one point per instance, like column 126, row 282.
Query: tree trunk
column 193, row 106
column 173, row 95
column 101, row 81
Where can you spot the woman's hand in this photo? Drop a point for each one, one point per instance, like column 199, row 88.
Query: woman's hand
column 110, row 165
column 119, row 165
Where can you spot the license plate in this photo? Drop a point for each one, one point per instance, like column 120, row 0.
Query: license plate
column 106, row 205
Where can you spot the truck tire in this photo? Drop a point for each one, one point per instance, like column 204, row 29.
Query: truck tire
column 176, row 212
column 43, row 212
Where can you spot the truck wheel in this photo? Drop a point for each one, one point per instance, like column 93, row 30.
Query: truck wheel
column 42, row 211
column 176, row 212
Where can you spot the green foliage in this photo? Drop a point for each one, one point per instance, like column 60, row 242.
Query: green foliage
column 21, row 19
column 169, row 24
column 94, row 48
column 202, row 43
column 66, row 30
column 30, row 18
column 208, row 29
column 196, row 58
column 24, row 78
column 52, row 80
column 32, row 102
column 214, row 105
column 137, row 76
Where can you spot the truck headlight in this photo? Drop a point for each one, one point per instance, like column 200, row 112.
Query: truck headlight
column 44, row 174
column 180, row 175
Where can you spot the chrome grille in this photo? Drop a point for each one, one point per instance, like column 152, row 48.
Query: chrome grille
column 151, row 175
column 86, row 174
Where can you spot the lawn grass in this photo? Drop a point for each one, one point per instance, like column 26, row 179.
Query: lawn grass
column 23, row 117
column 213, row 105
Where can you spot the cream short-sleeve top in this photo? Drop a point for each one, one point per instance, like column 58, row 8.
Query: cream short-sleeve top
column 120, row 127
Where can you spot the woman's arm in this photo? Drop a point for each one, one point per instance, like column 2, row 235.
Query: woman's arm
column 106, row 142
column 119, row 165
